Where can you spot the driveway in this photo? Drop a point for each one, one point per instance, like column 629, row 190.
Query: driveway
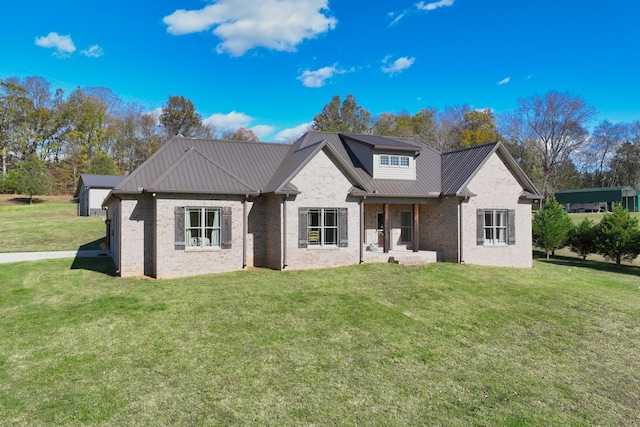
column 35, row 256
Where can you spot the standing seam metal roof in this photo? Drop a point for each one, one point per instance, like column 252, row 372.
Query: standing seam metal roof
column 229, row 167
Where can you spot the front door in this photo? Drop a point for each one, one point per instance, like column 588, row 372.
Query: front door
column 380, row 231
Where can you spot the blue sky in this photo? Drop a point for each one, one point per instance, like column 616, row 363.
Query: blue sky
column 271, row 65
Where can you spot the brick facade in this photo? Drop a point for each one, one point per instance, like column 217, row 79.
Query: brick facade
column 496, row 188
column 265, row 230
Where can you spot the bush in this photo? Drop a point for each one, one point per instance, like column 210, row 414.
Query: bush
column 617, row 237
column 582, row 238
column 551, row 227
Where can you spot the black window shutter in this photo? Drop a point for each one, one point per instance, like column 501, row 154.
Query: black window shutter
column 225, row 232
column 179, row 231
column 303, row 238
column 511, row 227
column 480, row 227
column 343, row 228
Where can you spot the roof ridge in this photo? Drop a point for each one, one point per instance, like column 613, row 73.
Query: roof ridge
column 474, row 147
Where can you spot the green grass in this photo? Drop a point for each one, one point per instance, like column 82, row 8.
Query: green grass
column 49, row 224
column 376, row 344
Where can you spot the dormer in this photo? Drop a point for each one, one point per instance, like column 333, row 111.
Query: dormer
column 394, row 165
column 383, row 157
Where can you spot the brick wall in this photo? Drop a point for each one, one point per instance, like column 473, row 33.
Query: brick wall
column 172, row 262
column 497, row 188
column 322, row 185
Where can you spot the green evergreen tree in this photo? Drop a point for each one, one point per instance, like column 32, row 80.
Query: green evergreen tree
column 582, row 238
column 551, row 227
column 618, row 235
column 32, row 177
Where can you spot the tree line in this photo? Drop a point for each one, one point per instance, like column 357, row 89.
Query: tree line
column 91, row 130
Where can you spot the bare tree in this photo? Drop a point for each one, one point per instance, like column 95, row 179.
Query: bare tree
column 556, row 122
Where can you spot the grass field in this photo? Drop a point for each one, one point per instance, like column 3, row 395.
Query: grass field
column 376, row 344
column 49, row 224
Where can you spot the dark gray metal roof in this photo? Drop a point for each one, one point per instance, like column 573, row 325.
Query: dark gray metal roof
column 378, row 142
column 97, row 181
column 460, row 166
column 210, row 166
column 189, row 165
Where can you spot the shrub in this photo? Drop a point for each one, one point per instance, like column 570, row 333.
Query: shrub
column 617, row 237
column 582, row 238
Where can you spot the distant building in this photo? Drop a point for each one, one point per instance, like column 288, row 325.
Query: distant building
column 92, row 190
column 598, row 199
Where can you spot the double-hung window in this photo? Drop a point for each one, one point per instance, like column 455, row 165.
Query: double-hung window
column 202, row 227
column 322, row 227
column 496, row 227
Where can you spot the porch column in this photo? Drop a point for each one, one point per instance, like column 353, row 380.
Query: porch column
column 416, row 227
column 387, row 228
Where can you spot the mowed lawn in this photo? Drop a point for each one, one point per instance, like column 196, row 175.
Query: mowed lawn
column 375, row 344
column 51, row 223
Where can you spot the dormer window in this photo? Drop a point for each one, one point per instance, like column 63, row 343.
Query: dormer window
column 394, row 161
column 394, row 166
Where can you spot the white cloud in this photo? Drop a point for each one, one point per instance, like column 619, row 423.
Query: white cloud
column 245, row 24
column 398, row 65
column 504, row 81
column 230, row 121
column 62, row 44
column 94, row 51
column 397, row 18
column 432, row 6
column 291, row 134
column 318, row 78
column 262, row 130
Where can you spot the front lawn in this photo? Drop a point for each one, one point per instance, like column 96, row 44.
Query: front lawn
column 376, row 344
column 51, row 223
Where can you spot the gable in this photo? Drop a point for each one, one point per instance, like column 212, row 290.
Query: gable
column 494, row 183
column 323, row 179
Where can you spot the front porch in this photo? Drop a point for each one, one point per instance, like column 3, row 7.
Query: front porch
column 401, row 256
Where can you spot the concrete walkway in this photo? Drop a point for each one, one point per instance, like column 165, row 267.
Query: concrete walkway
column 35, row 256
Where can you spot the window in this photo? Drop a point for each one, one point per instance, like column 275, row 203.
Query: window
column 203, row 227
column 394, row 161
column 496, row 227
column 406, row 227
column 319, row 227
column 322, row 227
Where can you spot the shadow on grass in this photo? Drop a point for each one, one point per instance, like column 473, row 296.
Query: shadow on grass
column 595, row 265
column 101, row 263
column 96, row 245
column 26, row 201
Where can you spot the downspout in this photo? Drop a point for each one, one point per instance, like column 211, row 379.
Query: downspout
column 460, row 234
column 284, row 234
column 245, row 230
column 119, row 233
column 362, row 229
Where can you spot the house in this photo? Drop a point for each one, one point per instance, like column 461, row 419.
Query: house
column 598, row 199
column 329, row 199
column 92, row 190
